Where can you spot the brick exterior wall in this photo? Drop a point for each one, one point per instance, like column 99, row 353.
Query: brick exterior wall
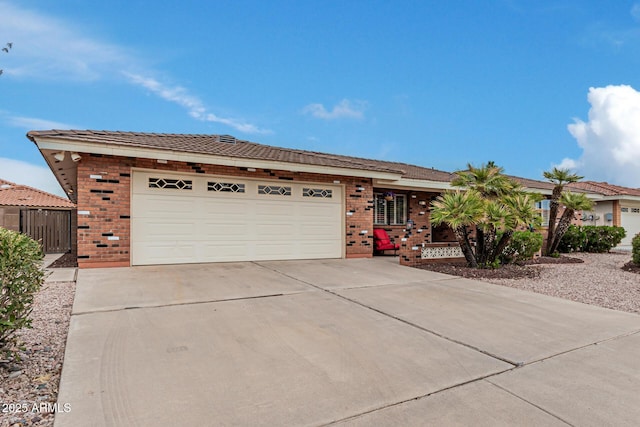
column 617, row 214
column 104, row 205
column 418, row 205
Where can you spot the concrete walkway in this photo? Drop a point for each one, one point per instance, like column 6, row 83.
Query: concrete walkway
column 351, row 342
column 57, row 274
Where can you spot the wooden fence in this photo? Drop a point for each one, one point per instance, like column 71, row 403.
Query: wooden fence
column 52, row 228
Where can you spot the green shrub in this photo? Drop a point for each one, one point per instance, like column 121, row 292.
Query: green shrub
column 523, row 246
column 635, row 249
column 591, row 238
column 602, row 238
column 21, row 276
column 573, row 240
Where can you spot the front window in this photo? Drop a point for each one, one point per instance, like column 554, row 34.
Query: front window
column 390, row 209
column 543, row 207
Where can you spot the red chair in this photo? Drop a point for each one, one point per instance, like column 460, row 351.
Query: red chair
column 382, row 242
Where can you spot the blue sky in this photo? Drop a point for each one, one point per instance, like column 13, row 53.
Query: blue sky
column 527, row 84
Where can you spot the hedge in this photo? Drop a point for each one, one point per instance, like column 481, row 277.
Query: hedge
column 635, row 249
column 522, row 246
column 591, row 238
column 21, row 276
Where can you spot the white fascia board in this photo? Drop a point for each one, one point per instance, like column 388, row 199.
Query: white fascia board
column 420, row 184
column 413, row 184
column 180, row 156
column 624, row 197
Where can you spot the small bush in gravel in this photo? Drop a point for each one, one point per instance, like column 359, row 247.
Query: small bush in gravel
column 635, row 249
column 591, row 238
column 602, row 238
column 573, row 240
column 21, row 276
column 522, row 247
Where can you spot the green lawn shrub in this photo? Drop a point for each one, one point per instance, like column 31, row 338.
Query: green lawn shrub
column 523, row 246
column 573, row 240
column 21, row 276
column 591, row 238
column 635, row 249
column 602, row 238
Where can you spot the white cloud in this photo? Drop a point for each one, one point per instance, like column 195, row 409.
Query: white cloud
column 567, row 163
column 343, row 109
column 610, row 139
column 191, row 103
column 46, row 47
column 29, row 174
column 50, row 48
column 175, row 94
column 32, row 123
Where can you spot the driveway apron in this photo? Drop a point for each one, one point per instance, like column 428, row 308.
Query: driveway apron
column 355, row 342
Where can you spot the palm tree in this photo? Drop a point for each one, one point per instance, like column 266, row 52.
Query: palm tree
column 459, row 210
column 572, row 202
column 488, row 180
column 520, row 207
column 559, row 177
column 493, row 204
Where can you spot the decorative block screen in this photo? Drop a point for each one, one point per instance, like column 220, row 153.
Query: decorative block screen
column 442, row 252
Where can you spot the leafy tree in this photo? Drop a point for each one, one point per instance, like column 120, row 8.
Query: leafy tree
column 6, row 49
column 560, row 178
column 493, row 205
column 572, row 202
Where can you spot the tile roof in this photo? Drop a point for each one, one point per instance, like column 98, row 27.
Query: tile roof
column 605, row 188
column 533, row 183
column 228, row 146
column 12, row 194
column 216, row 145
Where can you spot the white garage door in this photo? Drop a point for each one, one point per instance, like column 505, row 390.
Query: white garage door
column 178, row 219
column 630, row 217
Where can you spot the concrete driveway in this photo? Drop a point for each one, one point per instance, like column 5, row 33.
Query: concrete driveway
column 351, row 342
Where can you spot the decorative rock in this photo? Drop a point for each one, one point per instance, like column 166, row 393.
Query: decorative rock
column 14, row 374
column 41, row 352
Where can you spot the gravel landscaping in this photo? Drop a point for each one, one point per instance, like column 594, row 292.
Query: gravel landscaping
column 29, row 387
column 606, row 280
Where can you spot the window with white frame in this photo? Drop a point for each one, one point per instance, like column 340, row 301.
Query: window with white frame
column 389, row 209
column 543, row 207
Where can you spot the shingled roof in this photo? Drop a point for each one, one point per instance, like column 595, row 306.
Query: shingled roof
column 605, row 188
column 227, row 146
column 12, row 194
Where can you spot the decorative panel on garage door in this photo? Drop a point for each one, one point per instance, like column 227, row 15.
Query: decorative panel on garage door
column 178, row 218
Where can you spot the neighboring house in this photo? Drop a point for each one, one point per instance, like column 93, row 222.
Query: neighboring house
column 614, row 206
column 168, row 199
column 43, row 216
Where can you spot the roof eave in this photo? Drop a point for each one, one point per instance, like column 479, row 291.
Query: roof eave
column 622, row 197
column 413, row 184
column 45, row 143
